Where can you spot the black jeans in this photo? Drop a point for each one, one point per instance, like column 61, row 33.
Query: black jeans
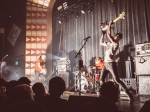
column 113, row 69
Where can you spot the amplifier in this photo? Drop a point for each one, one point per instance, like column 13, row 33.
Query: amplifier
column 142, row 65
column 62, row 65
column 142, row 49
column 62, row 62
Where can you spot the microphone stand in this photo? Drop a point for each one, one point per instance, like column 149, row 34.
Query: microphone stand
column 80, row 64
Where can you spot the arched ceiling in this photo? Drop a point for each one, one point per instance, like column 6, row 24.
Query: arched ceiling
column 44, row 3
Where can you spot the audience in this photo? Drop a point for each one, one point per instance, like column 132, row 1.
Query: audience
column 101, row 104
column 10, row 85
column 21, row 92
column 146, row 107
column 24, row 80
column 3, row 97
column 110, row 90
column 53, row 102
column 3, row 82
column 39, row 91
column 25, row 106
column 17, row 96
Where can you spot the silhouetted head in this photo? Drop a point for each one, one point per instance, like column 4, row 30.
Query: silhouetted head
column 24, row 80
column 21, row 92
column 100, row 104
column 57, row 86
column 3, row 82
column 10, row 85
column 38, row 89
column 110, row 91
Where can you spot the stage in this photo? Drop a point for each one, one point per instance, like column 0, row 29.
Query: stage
column 123, row 103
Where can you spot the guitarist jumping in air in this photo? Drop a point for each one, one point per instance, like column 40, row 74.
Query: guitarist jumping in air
column 39, row 68
column 110, row 65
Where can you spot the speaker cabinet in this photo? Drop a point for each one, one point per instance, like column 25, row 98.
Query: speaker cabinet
column 144, row 85
column 142, row 65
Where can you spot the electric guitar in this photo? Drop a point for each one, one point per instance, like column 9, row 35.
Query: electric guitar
column 104, row 25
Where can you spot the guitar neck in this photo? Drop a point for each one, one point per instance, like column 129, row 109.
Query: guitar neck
column 115, row 20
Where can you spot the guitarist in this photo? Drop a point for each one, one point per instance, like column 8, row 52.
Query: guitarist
column 39, row 68
column 109, row 59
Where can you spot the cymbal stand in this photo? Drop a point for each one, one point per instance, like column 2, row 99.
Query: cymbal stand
column 94, row 84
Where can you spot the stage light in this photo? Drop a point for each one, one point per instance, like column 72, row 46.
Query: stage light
column 91, row 4
column 83, row 8
column 62, row 18
column 59, row 21
column 62, row 15
column 76, row 13
column 66, row 18
column 65, row 6
column 59, row 8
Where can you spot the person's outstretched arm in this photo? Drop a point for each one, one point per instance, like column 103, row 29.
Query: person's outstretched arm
column 102, row 42
column 109, row 32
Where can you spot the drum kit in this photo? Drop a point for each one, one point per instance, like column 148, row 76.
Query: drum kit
column 88, row 81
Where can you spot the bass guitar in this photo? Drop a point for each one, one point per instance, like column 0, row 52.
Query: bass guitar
column 104, row 25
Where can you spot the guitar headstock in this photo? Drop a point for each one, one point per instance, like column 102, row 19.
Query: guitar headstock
column 104, row 25
column 121, row 16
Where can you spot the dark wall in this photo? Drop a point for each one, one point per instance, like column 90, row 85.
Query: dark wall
column 13, row 12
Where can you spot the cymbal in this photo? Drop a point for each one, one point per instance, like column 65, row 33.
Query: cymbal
column 92, row 67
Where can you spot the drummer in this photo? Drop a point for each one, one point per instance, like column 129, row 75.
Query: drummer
column 99, row 63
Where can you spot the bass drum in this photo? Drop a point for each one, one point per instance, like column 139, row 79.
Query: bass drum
column 86, row 86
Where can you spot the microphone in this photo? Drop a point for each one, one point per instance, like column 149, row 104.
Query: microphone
column 86, row 38
column 5, row 56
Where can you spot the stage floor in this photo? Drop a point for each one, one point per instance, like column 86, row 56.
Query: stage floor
column 123, row 103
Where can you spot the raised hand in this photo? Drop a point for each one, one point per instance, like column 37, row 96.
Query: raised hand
column 111, row 22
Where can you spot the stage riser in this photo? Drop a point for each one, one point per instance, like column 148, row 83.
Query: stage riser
column 130, row 83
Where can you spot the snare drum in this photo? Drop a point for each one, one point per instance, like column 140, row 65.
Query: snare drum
column 85, row 84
